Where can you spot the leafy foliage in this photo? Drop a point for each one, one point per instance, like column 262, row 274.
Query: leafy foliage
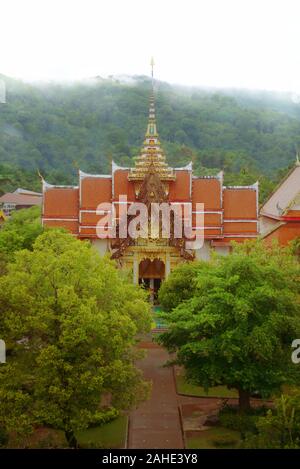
column 180, row 286
column 20, row 231
column 244, row 423
column 71, row 319
column 237, row 327
column 12, row 177
column 280, row 428
column 296, row 247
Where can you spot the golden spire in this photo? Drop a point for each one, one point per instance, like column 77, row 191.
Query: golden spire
column 152, row 158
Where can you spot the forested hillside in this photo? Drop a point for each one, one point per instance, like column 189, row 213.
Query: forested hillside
column 59, row 128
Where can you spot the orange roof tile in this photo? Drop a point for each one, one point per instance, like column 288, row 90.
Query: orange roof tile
column 93, row 191
column 239, row 203
column 240, row 228
column 180, row 189
column 292, row 213
column 88, row 231
column 239, row 239
column 207, row 191
column 69, row 225
column 122, row 186
column 208, row 231
column 284, row 233
column 210, row 219
column 61, row 202
column 90, row 219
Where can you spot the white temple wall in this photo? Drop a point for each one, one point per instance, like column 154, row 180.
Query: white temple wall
column 203, row 253
column 101, row 245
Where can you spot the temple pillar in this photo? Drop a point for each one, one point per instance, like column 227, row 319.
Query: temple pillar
column 168, row 265
column 135, row 269
column 151, row 285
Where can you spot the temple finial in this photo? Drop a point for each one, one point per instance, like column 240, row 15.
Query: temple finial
column 151, row 158
column 152, row 74
column 152, row 67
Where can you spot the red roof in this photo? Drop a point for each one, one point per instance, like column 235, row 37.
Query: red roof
column 208, row 192
column 240, row 203
column 180, row 189
column 61, row 202
column 229, row 213
column 122, row 186
column 20, row 199
column 93, row 191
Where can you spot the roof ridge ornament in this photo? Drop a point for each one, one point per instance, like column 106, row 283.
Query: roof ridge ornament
column 115, row 167
column 83, row 175
column 187, row 167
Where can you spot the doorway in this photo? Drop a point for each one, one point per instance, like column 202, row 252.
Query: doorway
column 151, row 275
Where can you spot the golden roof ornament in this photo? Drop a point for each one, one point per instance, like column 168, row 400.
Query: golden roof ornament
column 152, row 158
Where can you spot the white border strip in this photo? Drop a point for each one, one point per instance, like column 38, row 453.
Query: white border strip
column 218, row 212
column 60, row 219
column 240, row 221
column 232, row 235
column 207, row 228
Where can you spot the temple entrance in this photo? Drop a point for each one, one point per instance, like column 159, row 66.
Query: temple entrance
column 151, row 274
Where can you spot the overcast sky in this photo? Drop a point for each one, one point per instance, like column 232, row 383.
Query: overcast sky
column 224, row 43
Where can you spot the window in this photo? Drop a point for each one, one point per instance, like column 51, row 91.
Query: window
column 8, row 208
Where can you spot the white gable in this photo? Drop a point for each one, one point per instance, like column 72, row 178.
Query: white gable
column 284, row 195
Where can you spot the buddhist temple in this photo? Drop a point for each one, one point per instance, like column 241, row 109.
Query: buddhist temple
column 280, row 214
column 229, row 213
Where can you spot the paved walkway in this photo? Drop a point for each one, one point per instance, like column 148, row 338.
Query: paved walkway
column 156, row 423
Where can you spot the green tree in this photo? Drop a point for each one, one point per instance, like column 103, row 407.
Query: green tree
column 238, row 326
column 180, row 286
column 20, row 231
column 3, row 182
column 280, row 428
column 70, row 319
column 295, row 245
column 12, row 176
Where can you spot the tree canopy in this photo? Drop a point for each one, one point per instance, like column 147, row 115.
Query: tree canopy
column 20, row 231
column 69, row 318
column 237, row 325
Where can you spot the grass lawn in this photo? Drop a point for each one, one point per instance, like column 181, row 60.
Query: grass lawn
column 111, row 435
column 192, row 390
column 108, row 436
column 216, row 437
